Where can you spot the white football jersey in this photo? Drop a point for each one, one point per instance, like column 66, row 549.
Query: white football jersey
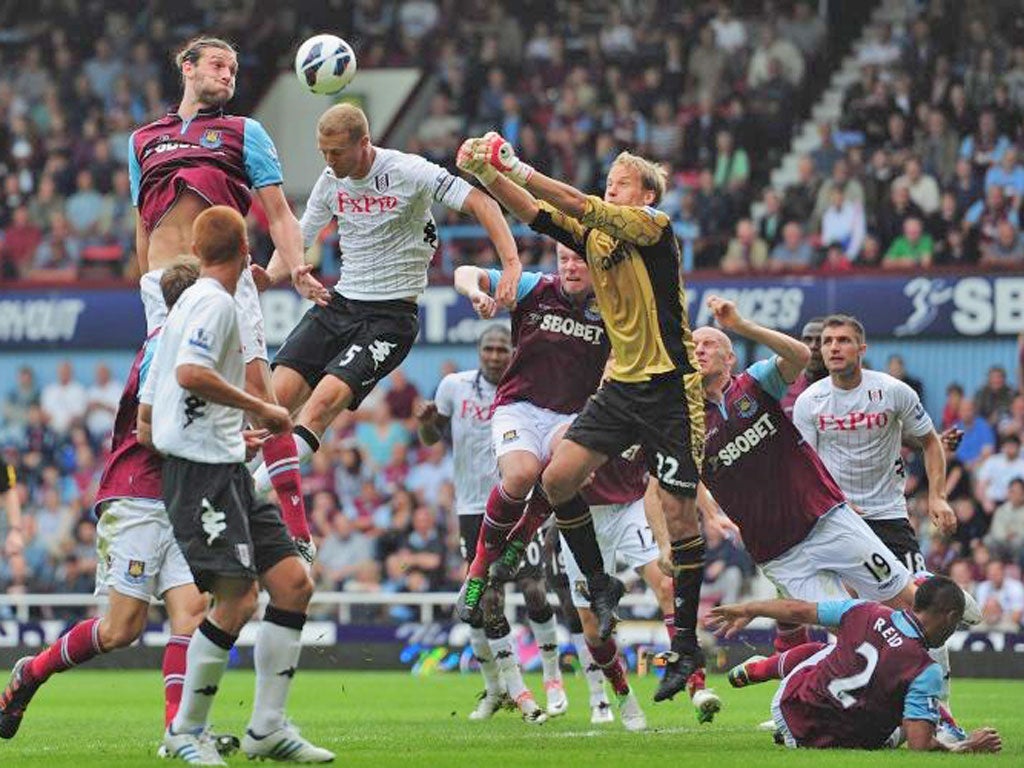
column 386, row 231
column 201, row 329
column 858, row 433
column 467, row 398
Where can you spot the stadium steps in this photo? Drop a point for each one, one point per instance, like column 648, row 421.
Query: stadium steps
column 829, row 107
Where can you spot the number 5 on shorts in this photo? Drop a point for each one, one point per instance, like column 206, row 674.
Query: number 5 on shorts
column 354, row 350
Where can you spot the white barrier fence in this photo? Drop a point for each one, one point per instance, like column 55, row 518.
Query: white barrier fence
column 21, row 605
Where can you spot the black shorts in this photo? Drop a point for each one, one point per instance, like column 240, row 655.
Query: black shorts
column 220, row 526
column 360, row 342
column 899, row 537
column 664, row 415
column 469, row 532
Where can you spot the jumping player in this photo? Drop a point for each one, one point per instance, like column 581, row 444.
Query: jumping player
column 198, row 156
column 381, row 199
column 465, row 401
column 877, row 677
column 138, row 556
column 652, row 396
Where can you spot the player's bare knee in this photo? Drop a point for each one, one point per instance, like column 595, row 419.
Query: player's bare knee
column 289, row 585
column 557, row 487
column 121, row 633
column 589, row 622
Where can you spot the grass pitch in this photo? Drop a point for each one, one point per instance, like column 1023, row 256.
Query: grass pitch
column 109, row 718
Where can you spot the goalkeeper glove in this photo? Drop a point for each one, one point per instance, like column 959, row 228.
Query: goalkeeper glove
column 501, row 155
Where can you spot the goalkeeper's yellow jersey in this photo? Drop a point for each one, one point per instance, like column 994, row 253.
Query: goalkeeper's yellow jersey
column 634, row 259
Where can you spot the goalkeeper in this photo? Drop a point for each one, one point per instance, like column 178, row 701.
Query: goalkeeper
column 653, row 394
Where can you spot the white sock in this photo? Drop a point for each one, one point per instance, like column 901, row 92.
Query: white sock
column 205, row 663
column 252, row 465
column 485, row 657
column 546, row 635
column 275, row 657
column 593, row 673
column 261, row 477
column 507, row 661
column 941, row 657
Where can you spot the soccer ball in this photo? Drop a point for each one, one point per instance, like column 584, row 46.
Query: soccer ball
column 325, row 64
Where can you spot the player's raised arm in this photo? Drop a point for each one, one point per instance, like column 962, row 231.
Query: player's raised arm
column 488, row 213
column 541, row 217
column 475, row 284
column 793, row 353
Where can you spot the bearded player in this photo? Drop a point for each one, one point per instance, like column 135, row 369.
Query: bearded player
column 189, row 160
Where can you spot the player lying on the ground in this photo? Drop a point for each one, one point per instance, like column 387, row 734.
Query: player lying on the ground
column 138, row 556
column 381, row 199
column 465, row 402
column 652, row 395
column 876, row 678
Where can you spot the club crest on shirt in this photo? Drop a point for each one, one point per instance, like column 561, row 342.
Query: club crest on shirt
column 210, row 139
column 746, row 406
column 874, row 395
column 201, row 338
column 509, row 436
column 381, row 182
column 136, row 571
column 591, row 311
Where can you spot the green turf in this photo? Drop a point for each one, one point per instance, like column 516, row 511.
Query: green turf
column 94, row 718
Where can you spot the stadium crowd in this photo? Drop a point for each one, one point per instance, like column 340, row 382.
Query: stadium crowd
column 924, row 168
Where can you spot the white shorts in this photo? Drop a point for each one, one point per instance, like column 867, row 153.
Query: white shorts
column 136, row 551
column 776, row 707
column 623, row 536
column 523, row 426
column 840, row 551
column 247, row 305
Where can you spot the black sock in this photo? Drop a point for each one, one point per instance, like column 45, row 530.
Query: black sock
column 688, row 562
column 577, row 527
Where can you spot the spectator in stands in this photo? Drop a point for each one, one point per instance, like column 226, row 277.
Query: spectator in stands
column 898, row 139
column 980, row 80
column 746, row 252
column 836, row 260
column 732, row 167
column 898, row 370
column 60, row 252
column 913, row 249
column 852, row 189
column 871, row 254
column 714, row 211
column 103, row 69
column 984, row 147
column 924, row 190
column 441, row 131
column 771, row 46
column 893, row 215
column 1012, row 423
column 65, row 400
column 1001, row 598
column 993, row 400
column 428, row 475
column 103, row 398
column 1014, row 78
column 665, row 134
column 983, row 218
column 937, row 147
column 843, row 224
column 344, row 553
column 979, row 439
column 1008, row 173
column 805, row 29
column 960, row 572
column 20, row 397
column 770, row 219
column 1005, row 538
column 801, row 195
column 417, row 565
column 377, row 438
column 882, row 50
column 1007, row 250
column 730, row 32
column 941, row 223
column 726, row 567
column 20, row 240
column 793, row 252
column 993, row 477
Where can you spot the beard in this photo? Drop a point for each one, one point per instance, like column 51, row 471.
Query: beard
column 214, row 96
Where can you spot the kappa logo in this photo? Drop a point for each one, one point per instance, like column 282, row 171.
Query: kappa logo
column 210, row 139
column 214, row 522
column 379, row 351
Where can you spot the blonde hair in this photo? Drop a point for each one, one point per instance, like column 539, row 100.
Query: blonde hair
column 344, row 118
column 219, row 236
column 653, row 177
